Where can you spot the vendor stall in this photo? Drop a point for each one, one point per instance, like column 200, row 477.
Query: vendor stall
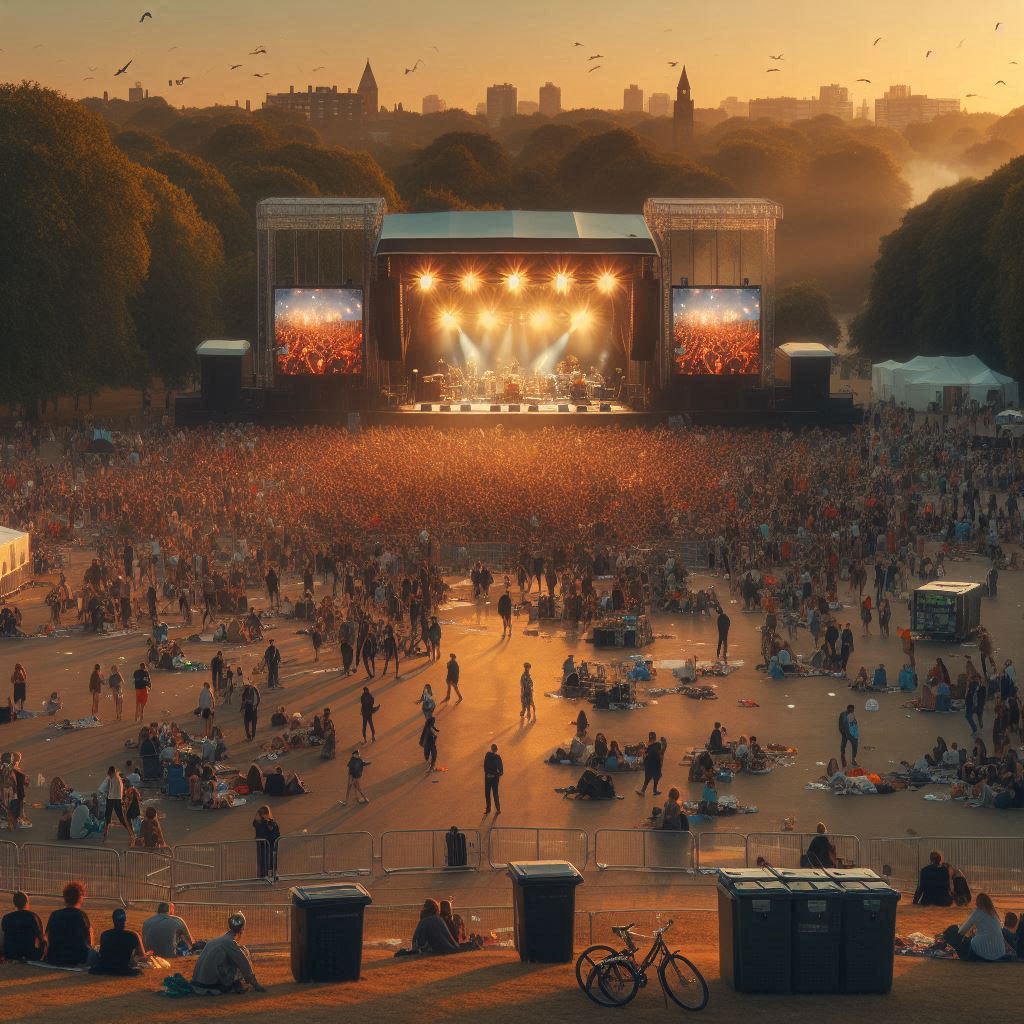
column 945, row 610
column 621, row 630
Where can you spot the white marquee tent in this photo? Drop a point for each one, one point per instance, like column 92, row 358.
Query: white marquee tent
column 924, row 379
column 15, row 559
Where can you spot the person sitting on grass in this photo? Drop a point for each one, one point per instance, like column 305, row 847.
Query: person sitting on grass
column 120, row 950
column 433, row 935
column 224, row 965
column 935, row 883
column 69, row 931
column 980, row 937
column 23, row 937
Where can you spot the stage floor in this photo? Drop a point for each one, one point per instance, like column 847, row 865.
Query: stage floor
column 480, row 414
column 525, row 407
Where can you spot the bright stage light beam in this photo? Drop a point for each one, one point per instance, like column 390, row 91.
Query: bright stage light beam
column 514, row 281
column 426, row 281
column 448, row 319
column 539, row 319
column 607, row 283
column 581, row 320
column 470, row 281
column 562, row 282
column 488, row 320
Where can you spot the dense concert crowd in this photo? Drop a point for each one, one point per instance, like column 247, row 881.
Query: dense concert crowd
column 326, row 348
column 716, row 348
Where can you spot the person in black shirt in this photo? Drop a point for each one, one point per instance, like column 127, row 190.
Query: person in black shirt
column 821, row 852
column 493, row 771
column 69, row 931
column 269, row 831
column 367, row 709
column 272, row 660
column 22, row 931
column 935, row 884
column 505, row 611
column 119, row 949
column 723, row 634
column 652, row 764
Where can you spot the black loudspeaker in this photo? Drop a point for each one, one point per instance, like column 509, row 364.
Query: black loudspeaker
column 385, row 317
column 426, row 407
column 533, row 408
column 563, row 408
column 221, row 378
column 446, row 408
column 582, row 408
column 646, row 319
column 495, row 408
column 513, row 408
column 466, row 407
column 605, row 407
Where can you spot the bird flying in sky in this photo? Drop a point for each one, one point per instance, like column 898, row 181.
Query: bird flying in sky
column 878, row 40
column 970, row 96
column 594, row 68
column 419, row 61
column 259, row 74
column 998, row 25
column 258, row 50
column 1000, row 82
column 577, row 44
column 596, row 56
column 121, row 71
column 319, row 67
column 868, row 80
column 768, row 71
column 235, row 67
column 673, row 63
column 928, row 54
column 961, row 43
column 780, row 56
column 145, row 15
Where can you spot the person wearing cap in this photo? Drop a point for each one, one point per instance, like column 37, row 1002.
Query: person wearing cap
column 164, row 932
column 225, row 965
column 526, row 694
column 120, row 949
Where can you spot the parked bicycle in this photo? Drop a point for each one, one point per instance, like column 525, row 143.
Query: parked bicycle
column 613, row 977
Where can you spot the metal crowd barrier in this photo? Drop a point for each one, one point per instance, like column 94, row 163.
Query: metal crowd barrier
column 8, row 866
column 721, row 850
column 325, row 855
column 206, row 864
column 991, row 863
column 394, row 925
column 44, row 869
column 644, row 850
column 784, row 849
column 425, row 850
column 684, row 924
column 147, row 875
column 266, row 924
column 505, row 845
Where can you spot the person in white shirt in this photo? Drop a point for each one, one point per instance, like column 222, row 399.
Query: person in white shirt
column 131, row 775
column 207, row 704
column 112, row 788
column 987, row 942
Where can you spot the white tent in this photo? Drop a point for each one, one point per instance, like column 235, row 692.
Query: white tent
column 15, row 559
column 924, row 380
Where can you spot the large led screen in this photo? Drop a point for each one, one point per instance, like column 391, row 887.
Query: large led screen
column 318, row 331
column 716, row 331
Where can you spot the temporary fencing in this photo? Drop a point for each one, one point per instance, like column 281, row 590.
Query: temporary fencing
column 507, row 845
column 428, row 850
column 645, row 849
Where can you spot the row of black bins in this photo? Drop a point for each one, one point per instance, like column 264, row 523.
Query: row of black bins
column 327, row 921
column 806, row 930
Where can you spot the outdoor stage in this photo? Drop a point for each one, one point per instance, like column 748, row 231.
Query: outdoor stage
column 517, row 416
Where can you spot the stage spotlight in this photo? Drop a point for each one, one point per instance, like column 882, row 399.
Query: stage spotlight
column 448, row 319
column 562, row 282
column 488, row 320
column 539, row 319
column 607, row 283
column 470, row 281
column 426, row 281
column 514, row 281
column 580, row 320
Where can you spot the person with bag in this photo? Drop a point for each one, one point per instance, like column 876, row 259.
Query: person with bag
column 935, row 883
column 428, row 741
column 250, row 708
column 494, row 768
column 367, row 709
column 355, row 773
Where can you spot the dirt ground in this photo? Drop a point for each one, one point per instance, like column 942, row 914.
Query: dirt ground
column 798, row 712
column 492, row 986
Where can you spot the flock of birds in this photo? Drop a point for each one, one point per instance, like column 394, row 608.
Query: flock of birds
column 591, row 66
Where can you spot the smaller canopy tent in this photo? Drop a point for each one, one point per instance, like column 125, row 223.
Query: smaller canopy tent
column 923, row 380
column 15, row 559
column 1009, row 417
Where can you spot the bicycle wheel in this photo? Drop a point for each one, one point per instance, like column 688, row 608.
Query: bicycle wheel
column 613, row 982
column 587, row 959
column 682, row 982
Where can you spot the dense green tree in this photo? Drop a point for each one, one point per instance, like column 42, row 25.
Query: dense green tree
column 803, row 312
column 470, row 165
column 178, row 306
column 73, row 248
column 252, row 184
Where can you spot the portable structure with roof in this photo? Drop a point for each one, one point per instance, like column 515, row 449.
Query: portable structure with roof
column 925, row 380
column 15, row 560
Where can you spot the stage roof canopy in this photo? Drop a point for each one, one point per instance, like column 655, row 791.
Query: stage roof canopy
column 515, row 231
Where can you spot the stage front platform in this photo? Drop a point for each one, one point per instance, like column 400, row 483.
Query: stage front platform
column 519, row 416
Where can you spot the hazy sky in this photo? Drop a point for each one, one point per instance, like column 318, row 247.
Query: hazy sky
column 726, row 47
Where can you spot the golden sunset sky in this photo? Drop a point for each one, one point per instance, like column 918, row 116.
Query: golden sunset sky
column 725, row 47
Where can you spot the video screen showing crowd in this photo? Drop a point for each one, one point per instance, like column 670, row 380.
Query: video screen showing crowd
column 318, row 331
column 716, row 331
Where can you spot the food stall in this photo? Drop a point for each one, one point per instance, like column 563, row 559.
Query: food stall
column 945, row 610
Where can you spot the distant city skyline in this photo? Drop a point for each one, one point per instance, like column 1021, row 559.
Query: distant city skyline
column 458, row 50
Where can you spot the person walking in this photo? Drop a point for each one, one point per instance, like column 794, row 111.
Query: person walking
column 367, row 709
column 845, row 646
column 207, row 706
column 505, row 611
column 355, row 773
column 143, row 684
column 434, row 638
column 112, row 787
column 722, row 650
column 19, row 686
column 849, row 735
column 390, row 648
column 452, row 680
column 317, row 637
column 217, row 671
column 116, row 683
column 272, row 661
column 493, row 771
column 426, row 701
column 250, row 708
column 369, row 653
column 428, row 741
column 653, row 757
column 95, row 689
column 345, row 649
column 526, row 703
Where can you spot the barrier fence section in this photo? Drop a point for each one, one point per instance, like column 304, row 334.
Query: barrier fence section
column 427, row 850
column 147, row 875
column 721, row 850
column 206, row 864
column 784, row 849
column 8, row 866
column 44, row 869
column 991, row 863
column 394, row 925
column 505, row 845
column 325, row 855
column 266, row 924
column 644, row 849
column 686, row 924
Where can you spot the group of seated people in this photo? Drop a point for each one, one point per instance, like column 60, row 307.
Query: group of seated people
column 223, row 964
column 690, row 602
column 245, row 630
column 441, row 931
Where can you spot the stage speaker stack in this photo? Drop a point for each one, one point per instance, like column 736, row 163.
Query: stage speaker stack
column 385, row 317
column 514, row 407
column 466, row 407
column 495, row 408
column 533, row 408
column 432, row 387
column 426, row 407
column 563, row 408
column 605, row 407
column 646, row 319
column 445, row 408
column 582, row 408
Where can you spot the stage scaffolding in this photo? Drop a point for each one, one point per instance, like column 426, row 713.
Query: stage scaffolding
column 314, row 243
column 715, row 243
